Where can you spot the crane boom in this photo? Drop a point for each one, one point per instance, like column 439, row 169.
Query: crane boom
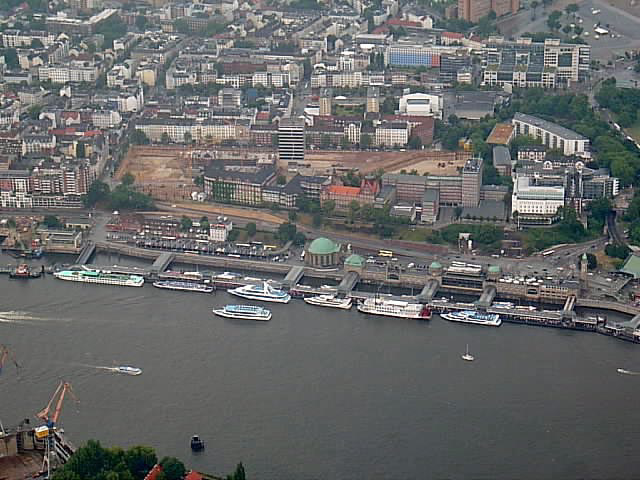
column 62, row 389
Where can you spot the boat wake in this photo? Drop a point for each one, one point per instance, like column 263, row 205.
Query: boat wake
column 18, row 316
column 624, row 371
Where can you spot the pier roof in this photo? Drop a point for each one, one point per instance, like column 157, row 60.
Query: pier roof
column 632, row 266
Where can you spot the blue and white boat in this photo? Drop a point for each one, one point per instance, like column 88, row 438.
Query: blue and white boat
column 471, row 316
column 262, row 291
column 128, row 370
column 244, row 312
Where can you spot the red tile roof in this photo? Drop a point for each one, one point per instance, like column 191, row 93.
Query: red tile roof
column 153, row 473
column 403, row 23
column 342, row 190
column 192, row 475
column 454, row 35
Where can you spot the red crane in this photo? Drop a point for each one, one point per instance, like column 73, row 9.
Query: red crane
column 62, row 389
column 5, row 354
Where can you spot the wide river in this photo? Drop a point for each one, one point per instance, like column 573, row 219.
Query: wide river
column 321, row 394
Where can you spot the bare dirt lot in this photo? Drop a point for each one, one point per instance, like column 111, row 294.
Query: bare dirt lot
column 162, row 165
column 424, row 161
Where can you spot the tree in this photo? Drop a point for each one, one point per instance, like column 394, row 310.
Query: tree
column 187, row 138
column 141, row 22
column 293, row 215
column 11, row 58
column 571, row 8
column 140, row 460
column 299, row 239
column 36, row 43
column 138, row 137
column 329, row 207
column 546, row 3
column 251, row 229
column 553, row 22
column 316, row 220
column 365, row 141
column 389, row 106
column 281, row 180
column 457, row 212
column 286, row 232
column 566, row 29
column 185, row 224
column 239, row 474
column 233, row 235
column 204, row 223
column 578, row 30
column 34, row 112
column 98, row 192
column 128, row 179
column 51, row 221
column 173, row 468
column 164, row 138
column 592, row 261
column 415, row 142
column 354, row 207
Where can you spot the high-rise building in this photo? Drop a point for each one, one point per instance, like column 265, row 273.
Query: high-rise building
column 474, row 10
column 373, row 100
column 326, row 97
column 291, row 140
column 471, row 182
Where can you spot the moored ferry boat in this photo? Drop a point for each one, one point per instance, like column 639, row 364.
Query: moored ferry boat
column 394, row 308
column 244, row 312
column 472, row 316
column 183, row 286
column 262, row 291
column 103, row 277
column 329, row 301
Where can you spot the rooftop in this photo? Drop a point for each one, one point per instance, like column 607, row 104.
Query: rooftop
column 501, row 134
column 501, row 156
column 632, row 266
column 548, row 126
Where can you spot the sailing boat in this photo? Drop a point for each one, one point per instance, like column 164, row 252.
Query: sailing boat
column 467, row 356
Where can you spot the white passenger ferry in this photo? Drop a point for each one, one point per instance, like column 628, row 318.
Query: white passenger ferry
column 262, row 291
column 244, row 312
column 471, row 316
column 329, row 301
column 394, row 308
column 104, row 277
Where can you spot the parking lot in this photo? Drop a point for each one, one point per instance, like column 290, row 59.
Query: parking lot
column 623, row 28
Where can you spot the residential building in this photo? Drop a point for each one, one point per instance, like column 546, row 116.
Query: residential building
column 552, row 135
column 474, row 10
column 392, row 134
column 502, row 160
column 344, row 196
column 373, row 100
column 237, row 184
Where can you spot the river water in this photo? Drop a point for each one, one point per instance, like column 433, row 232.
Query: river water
column 321, row 394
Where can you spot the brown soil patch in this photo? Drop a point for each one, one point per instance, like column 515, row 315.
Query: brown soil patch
column 161, row 165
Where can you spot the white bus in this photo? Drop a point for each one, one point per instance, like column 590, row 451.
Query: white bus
column 385, row 253
column 548, row 252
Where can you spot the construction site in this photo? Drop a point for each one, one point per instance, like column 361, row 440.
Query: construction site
column 28, row 451
column 173, row 168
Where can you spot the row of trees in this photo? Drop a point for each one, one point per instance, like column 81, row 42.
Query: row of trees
column 624, row 102
column 95, row 462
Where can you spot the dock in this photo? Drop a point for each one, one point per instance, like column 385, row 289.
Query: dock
column 349, row 281
column 293, row 277
column 161, row 263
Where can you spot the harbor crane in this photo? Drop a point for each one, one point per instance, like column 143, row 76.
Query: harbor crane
column 6, row 354
column 48, row 430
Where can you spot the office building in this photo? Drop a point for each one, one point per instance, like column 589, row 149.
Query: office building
column 471, row 182
column 474, row 10
column 536, row 203
column 412, row 55
column 326, row 97
column 524, row 63
column 291, row 140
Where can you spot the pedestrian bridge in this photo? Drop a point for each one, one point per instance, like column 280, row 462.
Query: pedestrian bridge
column 162, row 262
column 348, row 283
column 488, row 294
column 429, row 291
column 86, row 253
column 293, row 277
